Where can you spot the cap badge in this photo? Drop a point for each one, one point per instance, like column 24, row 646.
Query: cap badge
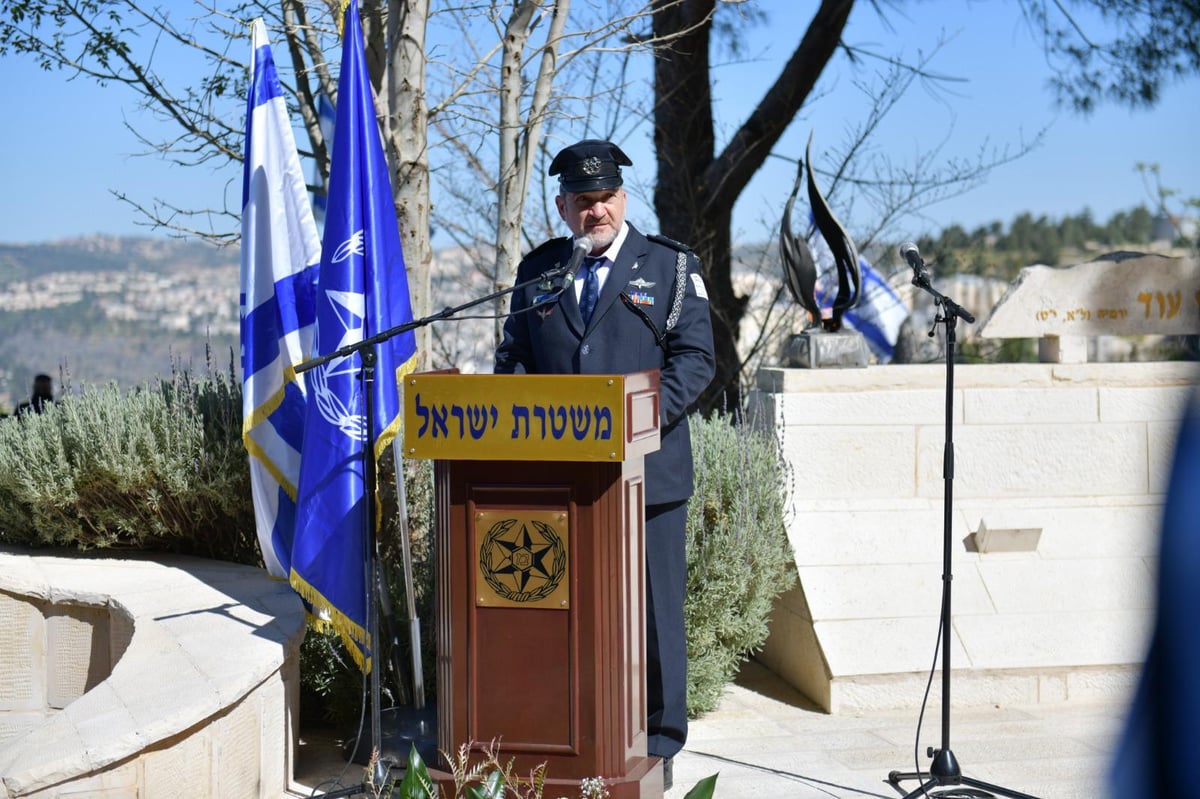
column 590, row 166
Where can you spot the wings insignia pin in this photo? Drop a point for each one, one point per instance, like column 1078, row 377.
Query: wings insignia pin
column 640, row 283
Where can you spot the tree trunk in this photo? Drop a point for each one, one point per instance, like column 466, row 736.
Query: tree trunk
column 409, row 158
column 520, row 133
column 697, row 188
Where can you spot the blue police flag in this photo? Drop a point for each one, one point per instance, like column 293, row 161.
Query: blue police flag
column 281, row 253
column 362, row 290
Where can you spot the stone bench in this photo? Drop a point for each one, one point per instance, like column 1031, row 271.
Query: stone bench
column 145, row 676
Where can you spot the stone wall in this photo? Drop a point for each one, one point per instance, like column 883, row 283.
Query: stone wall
column 1057, row 489
column 137, row 677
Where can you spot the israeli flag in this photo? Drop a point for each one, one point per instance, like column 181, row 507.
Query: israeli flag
column 281, row 252
column 362, row 291
column 879, row 313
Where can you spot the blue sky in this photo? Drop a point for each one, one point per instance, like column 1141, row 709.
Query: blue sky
column 70, row 146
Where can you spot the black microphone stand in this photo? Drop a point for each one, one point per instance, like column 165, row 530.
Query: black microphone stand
column 367, row 357
column 944, row 770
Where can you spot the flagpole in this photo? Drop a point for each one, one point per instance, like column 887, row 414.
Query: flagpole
column 381, row 765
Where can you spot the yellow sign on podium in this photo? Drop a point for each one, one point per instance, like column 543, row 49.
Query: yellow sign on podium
column 515, row 417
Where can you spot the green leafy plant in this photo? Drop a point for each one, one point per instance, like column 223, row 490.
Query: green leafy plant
column 161, row 467
column 492, row 778
column 739, row 558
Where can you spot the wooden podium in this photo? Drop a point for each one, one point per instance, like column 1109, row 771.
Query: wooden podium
column 540, row 581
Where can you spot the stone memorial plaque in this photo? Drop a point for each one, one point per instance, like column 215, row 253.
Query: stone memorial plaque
column 1121, row 294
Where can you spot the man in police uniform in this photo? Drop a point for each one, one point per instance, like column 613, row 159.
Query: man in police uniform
column 637, row 303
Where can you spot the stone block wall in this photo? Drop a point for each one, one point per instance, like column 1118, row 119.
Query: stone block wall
column 141, row 677
column 1057, row 488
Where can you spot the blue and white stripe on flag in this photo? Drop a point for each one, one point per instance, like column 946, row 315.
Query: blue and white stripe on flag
column 362, row 291
column 281, row 252
column 879, row 313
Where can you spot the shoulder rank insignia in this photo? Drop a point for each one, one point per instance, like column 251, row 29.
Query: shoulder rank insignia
column 674, row 245
column 642, row 298
column 641, row 283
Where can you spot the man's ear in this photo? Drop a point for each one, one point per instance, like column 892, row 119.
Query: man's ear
column 561, row 205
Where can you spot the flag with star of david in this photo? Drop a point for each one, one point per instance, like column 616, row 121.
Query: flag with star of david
column 281, row 252
column 879, row 313
column 362, row 290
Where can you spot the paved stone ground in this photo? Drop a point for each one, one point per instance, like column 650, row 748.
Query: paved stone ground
column 766, row 741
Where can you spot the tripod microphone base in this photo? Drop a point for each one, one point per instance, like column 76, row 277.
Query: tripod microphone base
column 402, row 729
column 943, row 772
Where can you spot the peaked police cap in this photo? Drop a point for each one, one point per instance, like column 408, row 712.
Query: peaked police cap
column 589, row 165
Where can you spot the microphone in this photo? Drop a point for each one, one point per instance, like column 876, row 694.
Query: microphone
column 910, row 253
column 583, row 246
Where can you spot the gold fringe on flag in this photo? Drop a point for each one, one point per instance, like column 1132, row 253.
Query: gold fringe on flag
column 353, row 635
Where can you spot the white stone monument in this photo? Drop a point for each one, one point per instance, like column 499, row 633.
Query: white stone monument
column 1119, row 294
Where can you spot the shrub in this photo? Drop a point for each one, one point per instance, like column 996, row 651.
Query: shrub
column 739, row 558
column 159, row 468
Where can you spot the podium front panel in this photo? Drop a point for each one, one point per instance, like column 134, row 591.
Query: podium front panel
column 562, row 685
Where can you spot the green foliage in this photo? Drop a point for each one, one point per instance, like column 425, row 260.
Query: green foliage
column 739, row 558
column 1116, row 50
column 159, row 468
column 1009, row 350
column 993, row 251
column 491, row 778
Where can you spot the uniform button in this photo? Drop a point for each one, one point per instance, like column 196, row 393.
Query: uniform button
column 585, row 349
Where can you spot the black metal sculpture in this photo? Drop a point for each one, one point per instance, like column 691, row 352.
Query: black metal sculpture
column 799, row 266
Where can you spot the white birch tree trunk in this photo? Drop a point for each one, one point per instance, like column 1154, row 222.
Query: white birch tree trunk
column 408, row 117
column 520, row 133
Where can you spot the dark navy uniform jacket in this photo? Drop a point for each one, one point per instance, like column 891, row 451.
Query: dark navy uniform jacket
column 551, row 339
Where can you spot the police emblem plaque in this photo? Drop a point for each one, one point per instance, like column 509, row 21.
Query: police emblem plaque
column 523, row 559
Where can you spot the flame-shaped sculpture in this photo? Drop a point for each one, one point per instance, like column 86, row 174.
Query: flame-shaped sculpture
column 799, row 266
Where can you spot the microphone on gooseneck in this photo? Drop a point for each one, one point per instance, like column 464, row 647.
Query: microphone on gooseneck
column 583, row 246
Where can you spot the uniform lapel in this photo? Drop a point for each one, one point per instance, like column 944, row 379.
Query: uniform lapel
column 620, row 273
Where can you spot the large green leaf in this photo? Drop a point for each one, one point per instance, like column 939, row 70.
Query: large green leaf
column 704, row 789
column 417, row 783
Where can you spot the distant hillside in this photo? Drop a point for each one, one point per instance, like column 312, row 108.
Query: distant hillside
column 99, row 253
column 99, row 309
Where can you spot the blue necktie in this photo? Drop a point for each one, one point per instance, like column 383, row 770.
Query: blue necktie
column 591, row 289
